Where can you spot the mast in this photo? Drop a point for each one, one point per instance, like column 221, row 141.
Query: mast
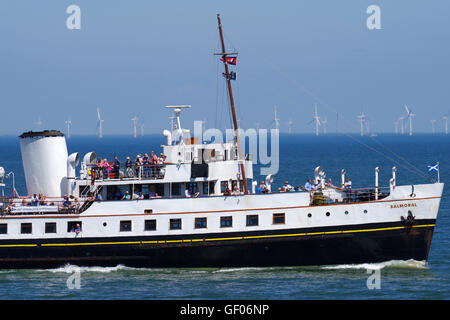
column 233, row 112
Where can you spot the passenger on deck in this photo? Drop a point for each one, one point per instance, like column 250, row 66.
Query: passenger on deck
column 236, row 191
column 116, row 167
column 348, row 184
column 66, row 202
column 308, row 185
column 99, row 169
column 348, row 189
column 42, row 200
column 34, row 200
column 91, row 197
column 138, row 165
column 287, row 187
column 106, row 169
column 263, row 187
column 126, row 196
column 146, row 164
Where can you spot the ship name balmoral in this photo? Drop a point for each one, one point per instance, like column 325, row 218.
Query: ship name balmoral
column 403, row 205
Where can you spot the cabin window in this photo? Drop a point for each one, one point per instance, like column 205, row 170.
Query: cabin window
column 211, row 187
column 200, row 223
column 223, row 186
column 118, row 192
column 156, row 189
column 148, row 211
column 50, row 227
column 278, row 218
column 226, row 222
column 175, row 224
column 205, row 188
column 125, row 225
column 252, row 220
column 3, row 228
column 73, row 226
column 25, row 228
column 176, row 189
column 192, row 187
column 150, row 225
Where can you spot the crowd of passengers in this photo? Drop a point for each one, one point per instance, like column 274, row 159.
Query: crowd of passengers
column 68, row 203
column 143, row 166
column 309, row 186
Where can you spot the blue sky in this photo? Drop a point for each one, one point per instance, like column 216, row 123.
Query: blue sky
column 135, row 57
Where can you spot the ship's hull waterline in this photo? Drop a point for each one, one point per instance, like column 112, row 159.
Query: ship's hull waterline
column 296, row 247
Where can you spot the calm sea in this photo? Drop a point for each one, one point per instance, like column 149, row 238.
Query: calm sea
column 299, row 155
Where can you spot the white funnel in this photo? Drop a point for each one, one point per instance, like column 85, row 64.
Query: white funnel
column 44, row 157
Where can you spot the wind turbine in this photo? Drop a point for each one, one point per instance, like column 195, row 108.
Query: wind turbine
column 99, row 124
column 316, row 119
column 410, row 116
column 134, row 119
column 69, row 123
column 402, row 124
column 367, row 123
column 396, row 127
column 141, row 125
column 362, row 119
column 432, row 125
column 276, row 120
column 446, row 123
column 290, row 126
column 324, row 123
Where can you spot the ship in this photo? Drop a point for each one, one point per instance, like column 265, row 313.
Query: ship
column 197, row 205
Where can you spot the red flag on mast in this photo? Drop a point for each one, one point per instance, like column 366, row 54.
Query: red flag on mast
column 230, row 60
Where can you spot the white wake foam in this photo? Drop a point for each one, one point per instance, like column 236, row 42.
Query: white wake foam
column 407, row 264
column 69, row 268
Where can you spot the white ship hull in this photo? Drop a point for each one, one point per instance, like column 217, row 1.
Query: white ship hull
column 321, row 234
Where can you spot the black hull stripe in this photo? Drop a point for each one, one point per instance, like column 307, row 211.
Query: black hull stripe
column 243, row 235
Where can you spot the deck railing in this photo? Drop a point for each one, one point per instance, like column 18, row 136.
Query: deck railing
column 139, row 172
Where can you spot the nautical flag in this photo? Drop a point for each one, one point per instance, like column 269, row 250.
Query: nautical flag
column 230, row 60
column 435, row 167
column 232, row 75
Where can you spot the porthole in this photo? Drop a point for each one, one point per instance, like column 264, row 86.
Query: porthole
column 346, row 212
column 309, row 215
column 327, row 214
column 104, row 224
column 365, row 211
